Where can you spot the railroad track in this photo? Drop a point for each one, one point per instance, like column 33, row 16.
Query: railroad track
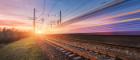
column 55, row 52
column 79, row 53
column 95, row 51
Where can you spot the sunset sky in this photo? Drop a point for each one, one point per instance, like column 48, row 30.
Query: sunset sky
column 123, row 15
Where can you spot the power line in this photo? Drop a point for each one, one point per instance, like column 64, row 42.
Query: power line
column 76, row 9
column 94, row 12
column 50, row 11
column 43, row 9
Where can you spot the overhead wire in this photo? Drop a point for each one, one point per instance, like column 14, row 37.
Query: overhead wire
column 50, row 11
column 43, row 9
column 76, row 9
column 84, row 3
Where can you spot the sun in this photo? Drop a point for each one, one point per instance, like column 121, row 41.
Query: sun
column 39, row 32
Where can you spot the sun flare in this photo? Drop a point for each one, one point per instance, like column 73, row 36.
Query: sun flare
column 39, row 32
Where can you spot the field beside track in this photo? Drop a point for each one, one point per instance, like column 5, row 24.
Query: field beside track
column 71, row 47
column 25, row 49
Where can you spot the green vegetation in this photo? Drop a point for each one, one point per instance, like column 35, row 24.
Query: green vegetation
column 11, row 35
column 25, row 49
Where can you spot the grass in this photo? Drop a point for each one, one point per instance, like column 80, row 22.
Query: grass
column 25, row 49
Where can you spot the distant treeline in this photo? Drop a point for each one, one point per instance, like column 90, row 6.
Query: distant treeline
column 10, row 35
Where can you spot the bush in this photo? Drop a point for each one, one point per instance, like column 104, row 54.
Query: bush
column 11, row 35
